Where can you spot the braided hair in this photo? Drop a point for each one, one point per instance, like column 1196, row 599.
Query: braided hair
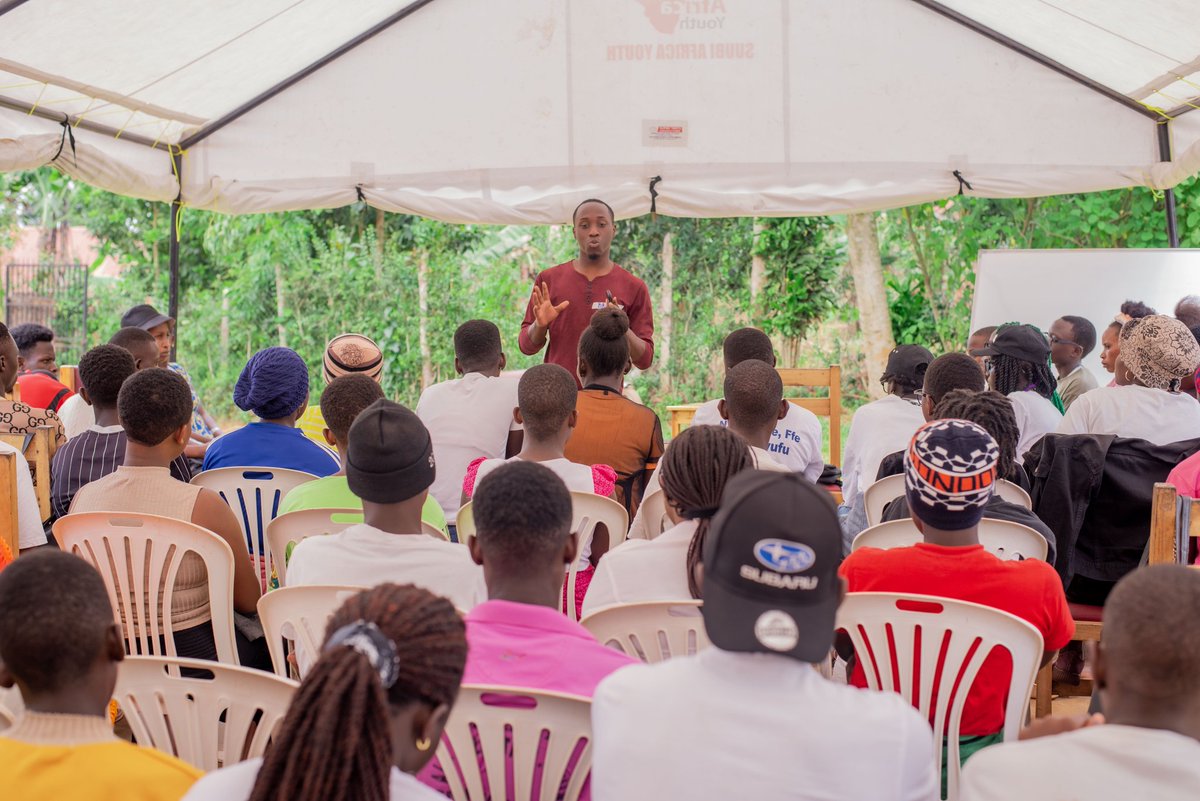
column 334, row 744
column 1014, row 375
column 992, row 412
column 693, row 472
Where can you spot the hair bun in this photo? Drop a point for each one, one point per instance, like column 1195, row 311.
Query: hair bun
column 610, row 324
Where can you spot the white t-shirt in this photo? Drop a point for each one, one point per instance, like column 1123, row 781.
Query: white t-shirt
column 1106, row 761
column 235, row 783
column 878, row 428
column 638, row 571
column 363, row 556
column 754, row 726
column 1036, row 416
column 795, row 444
column 30, row 533
column 77, row 416
column 1138, row 412
column 467, row 418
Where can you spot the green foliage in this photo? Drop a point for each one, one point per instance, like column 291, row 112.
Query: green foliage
column 803, row 257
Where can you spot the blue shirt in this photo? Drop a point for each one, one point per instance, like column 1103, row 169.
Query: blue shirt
column 270, row 445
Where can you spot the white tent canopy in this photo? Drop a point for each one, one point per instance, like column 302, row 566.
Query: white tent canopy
column 511, row 111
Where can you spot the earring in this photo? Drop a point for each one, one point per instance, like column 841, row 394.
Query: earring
column 424, row 744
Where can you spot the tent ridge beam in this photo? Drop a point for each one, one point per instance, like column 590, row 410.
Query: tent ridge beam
column 255, row 102
column 75, row 121
column 1040, row 58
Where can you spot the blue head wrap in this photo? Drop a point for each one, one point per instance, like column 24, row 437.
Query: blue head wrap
column 273, row 384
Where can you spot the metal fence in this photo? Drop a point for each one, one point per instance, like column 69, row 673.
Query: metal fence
column 54, row 295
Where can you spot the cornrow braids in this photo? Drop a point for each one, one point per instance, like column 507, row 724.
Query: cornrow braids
column 693, row 472
column 992, row 412
column 334, row 744
column 1015, row 375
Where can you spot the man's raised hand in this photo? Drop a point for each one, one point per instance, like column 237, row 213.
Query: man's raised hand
column 544, row 310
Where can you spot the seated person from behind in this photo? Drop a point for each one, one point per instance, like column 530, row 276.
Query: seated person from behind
column 345, row 354
column 155, row 409
column 77, row 413
column 796, row 440
column 693, row 474
column 274, row 386
column 470, row 417
column 1147, row 671
column 39, row 383
column 17, row 417
column 519, row 637
column 1156, row 354
column 613, row 429
column 390, row 467
column 1019, row 368
column 342, row 401
column 60, row 646
column 754, row 698
column 99, row 449
column 951, row 563
column 992, row 412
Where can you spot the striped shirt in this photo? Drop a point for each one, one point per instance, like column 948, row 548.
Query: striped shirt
column 93, row 454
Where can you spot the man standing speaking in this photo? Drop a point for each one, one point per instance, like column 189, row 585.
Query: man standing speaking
column 567, row 295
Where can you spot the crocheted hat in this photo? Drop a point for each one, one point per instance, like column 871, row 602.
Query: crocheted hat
column 273, row 384
column 949, row 473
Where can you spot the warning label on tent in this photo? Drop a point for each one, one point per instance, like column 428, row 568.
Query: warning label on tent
column 669, row 133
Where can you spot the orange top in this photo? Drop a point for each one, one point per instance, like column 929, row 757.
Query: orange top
column 614, row 430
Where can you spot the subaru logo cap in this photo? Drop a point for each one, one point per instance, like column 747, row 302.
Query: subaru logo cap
column 770, row 567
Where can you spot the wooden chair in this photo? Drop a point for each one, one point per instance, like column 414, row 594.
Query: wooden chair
column 829, row 406
column 912, row 643
column 494, row 732
column 296, row 617
column 254, row 494
column 10, row 530
column 35, row 446
column 652, row 631
column 210, row 723
column 138, row 557
column 68, row 376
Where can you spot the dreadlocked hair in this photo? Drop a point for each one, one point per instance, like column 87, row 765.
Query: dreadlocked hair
column 693, row 472
column 1014, row 375
column 334, row 744
column 992, row 412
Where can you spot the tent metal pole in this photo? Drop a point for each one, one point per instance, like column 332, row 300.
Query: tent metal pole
column 1164, row 154
column 10, row 5
column 86, row 124
column 176, row 210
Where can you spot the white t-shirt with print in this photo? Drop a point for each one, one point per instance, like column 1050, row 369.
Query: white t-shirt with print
column 795, row 443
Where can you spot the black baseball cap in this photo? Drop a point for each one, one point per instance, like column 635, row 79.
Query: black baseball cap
column 143, row 316
column 908, row 362
column 770, row 567
column 1018, row 341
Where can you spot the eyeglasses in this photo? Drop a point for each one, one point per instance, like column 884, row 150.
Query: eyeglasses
column 1056, row 340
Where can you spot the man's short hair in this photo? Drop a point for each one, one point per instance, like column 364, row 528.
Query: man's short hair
column 575, row 213
column 952, row 371
column 1083, row 333
column 477, row 345
column 747, row 343
column 28, row 335
column 130, row 337
column 56, row 618
column 522, row 513
column 753, row 392
column 103, row 370
column 153, row 404
column 546, row 395
column 344, row 399
column 1152, row 634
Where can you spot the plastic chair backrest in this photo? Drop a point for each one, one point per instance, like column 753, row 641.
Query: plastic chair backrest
column 880, row 494
column 899, row 638
column 1004, row 539
column 550, row 729
column 210, row 723
column 654, row 513
column 434, row 531
column 296, row 526
column 254, row 494
column 298, row 615
column 11, row 707
column 1013, row 493
column 588, row 510
column 139, row 557
column 651, row 631
column 464, row 522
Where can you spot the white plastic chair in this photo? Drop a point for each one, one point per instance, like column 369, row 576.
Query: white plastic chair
column 12, row 707
column 487, row 717
column 254, row 495
column 139, row 557
column 1013, row 493
column 1005, row 539
column 589, row 510
column 299, row 616
column 654, row 514
column 207, row 722
column 651, row 631
column 888, row 488
column 464, row 522
column 895, row 632
column 295, row 526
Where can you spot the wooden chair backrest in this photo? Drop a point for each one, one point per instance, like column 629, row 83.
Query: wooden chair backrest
column 1174, row 522
column 8, row 502
column 68, row 376
column 35, row 446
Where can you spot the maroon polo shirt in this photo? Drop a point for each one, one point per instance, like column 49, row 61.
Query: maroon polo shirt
column 566, row 283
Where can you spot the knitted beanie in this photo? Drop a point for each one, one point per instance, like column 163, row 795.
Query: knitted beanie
column 273, row 384
column 950, row 473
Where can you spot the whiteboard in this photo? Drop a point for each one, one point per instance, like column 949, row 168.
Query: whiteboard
column 1039, row 286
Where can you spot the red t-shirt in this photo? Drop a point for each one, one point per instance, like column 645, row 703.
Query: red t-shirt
column 42, row 391
column 1030, row 589
column 566, row 283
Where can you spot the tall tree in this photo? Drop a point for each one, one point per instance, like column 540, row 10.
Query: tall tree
column 862, row 242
